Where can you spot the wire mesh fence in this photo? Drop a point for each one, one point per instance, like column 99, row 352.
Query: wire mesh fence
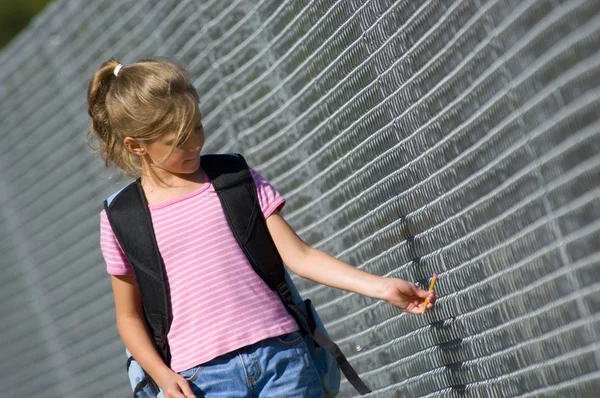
column 408, row 137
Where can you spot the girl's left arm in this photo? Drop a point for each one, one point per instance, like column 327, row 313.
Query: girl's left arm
column 320, row 267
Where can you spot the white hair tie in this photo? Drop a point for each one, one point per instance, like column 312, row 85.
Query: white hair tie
column 117, row 69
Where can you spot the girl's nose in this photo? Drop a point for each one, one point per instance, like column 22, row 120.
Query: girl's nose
column 194, row 143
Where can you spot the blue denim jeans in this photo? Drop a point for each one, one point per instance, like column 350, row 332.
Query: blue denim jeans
column 275, row 367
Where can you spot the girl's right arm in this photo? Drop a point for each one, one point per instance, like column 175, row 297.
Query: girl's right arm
column 134, row 333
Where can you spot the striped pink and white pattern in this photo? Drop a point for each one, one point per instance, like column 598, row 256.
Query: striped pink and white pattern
column 219, row 303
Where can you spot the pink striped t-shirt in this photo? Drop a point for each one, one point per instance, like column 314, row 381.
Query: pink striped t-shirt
column 219, row 303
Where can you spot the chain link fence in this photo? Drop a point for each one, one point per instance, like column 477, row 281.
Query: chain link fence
column 408, row 137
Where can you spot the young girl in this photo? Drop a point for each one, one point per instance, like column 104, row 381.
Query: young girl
column 230, row 334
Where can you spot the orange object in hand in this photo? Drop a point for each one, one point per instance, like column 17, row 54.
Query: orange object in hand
column 431, row 286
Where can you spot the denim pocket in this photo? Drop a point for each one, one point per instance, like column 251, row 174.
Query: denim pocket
column 289, row 340
column 192, row 373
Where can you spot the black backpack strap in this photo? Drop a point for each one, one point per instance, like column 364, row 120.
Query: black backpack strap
column 130, row 220
column 233, row 183
column 306, row 321
column 148, row 381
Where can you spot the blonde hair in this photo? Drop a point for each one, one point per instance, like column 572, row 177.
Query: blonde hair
column 146, row 100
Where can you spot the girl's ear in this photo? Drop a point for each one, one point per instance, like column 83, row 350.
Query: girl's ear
column 134, row 146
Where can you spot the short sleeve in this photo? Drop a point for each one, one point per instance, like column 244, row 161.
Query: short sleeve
column 116, row 262
column 268, row 197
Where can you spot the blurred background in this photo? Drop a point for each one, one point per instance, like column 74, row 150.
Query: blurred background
column 15, row 15
column 459, row 136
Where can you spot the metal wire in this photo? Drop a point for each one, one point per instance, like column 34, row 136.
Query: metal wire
column 408, row 137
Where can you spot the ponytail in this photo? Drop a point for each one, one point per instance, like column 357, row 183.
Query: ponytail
column 105, row 141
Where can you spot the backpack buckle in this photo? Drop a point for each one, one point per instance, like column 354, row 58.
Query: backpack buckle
column 284, row 292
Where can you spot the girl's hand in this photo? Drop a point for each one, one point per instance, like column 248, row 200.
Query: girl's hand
column 175, row 386
column 407, row 296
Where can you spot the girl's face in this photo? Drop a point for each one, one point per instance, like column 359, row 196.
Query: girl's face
column 185, row 158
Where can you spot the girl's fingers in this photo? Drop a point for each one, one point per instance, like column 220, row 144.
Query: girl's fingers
column 416, row 309
column 428, row 302
column 185, row 387
column 433, row 297
column 180, row 390
column 420, row 292
column 175, row 394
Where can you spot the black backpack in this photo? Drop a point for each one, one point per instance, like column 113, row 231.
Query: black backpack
column 129, row 216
